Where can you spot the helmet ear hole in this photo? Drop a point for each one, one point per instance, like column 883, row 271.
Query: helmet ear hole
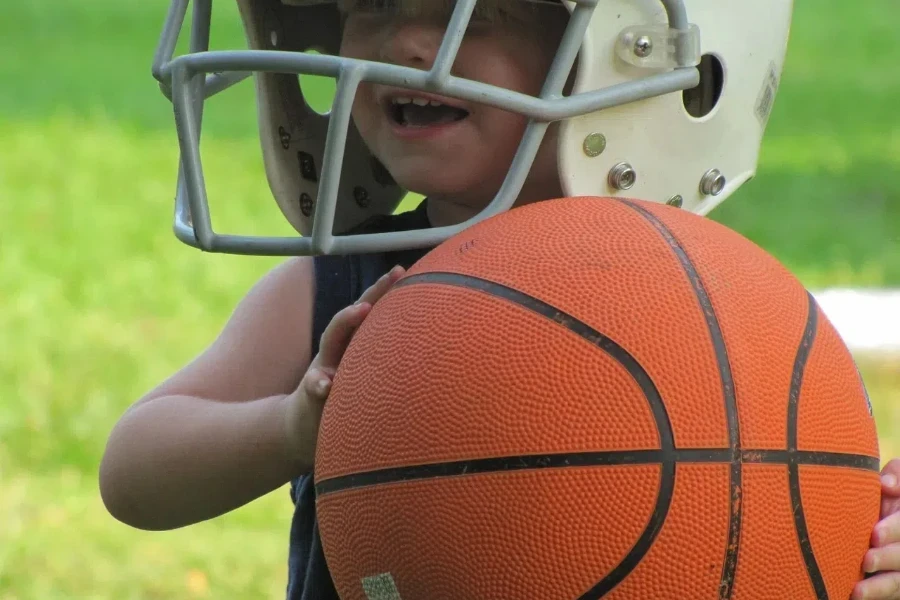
column 701, row 100
column 318, row 90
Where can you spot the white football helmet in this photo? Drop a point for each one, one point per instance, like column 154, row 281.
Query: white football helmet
column 670, row 103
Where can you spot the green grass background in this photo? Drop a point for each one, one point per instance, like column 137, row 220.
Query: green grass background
column 99, row 301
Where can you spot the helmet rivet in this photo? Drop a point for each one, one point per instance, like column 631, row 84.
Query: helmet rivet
column 594, row 144
column 677, row 201
column 273, row 37
column 643, row 46
column 622, row 176
column 712, row 183
column 306, row 204
column 361, row 195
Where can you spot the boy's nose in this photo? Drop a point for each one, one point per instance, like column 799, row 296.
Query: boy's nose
column 413, row 44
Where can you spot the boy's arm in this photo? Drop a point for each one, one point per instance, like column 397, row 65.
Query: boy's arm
column 213, row 437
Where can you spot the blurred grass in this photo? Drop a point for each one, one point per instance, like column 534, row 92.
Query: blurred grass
column 98, row 300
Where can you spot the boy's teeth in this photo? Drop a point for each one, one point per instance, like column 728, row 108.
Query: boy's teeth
column 401, row 100
column 422, row 112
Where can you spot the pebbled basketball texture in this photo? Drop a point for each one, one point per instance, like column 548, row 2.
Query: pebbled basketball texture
column 597, row 398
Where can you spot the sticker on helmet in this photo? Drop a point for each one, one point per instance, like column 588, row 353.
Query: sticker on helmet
column 766, row 97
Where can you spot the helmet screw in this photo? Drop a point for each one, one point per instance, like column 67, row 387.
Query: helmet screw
column 622, row 176
column 594, row 144
column 361, row 195
column 643, row 46
column 677, row 201
column 712, row 183
column 306, row 204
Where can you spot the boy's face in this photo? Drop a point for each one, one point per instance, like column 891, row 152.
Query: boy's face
column 459, row 151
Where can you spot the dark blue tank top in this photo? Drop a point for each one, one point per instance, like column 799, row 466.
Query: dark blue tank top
column 340, row 280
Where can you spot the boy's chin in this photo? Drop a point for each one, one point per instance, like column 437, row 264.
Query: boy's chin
column 440, row 187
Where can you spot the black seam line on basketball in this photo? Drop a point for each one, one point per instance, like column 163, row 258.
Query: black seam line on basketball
column 729, row 566
column 630, row 364
column 809, row 556
column 503, row 464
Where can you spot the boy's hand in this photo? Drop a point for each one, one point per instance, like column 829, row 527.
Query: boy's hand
column 883, row 558
column 304, row 410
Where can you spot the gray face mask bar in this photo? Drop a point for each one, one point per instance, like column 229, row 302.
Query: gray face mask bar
column 188, row 80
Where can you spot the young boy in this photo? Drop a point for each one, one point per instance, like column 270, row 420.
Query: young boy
column 241, row 419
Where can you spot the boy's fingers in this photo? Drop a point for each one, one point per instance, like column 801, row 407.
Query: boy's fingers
column 890, row 478
column 381, row 287
column 887, row 531
column 340, row 330
column 883, row 586
column 316, row 384
column 882, row 559
column 338, row 334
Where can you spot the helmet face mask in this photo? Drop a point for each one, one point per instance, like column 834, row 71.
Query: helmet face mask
column 669, row 104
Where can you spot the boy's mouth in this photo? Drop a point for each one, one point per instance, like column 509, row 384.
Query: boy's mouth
column 418, row 112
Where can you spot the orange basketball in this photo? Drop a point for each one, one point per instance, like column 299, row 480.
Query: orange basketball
column 597, row 398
